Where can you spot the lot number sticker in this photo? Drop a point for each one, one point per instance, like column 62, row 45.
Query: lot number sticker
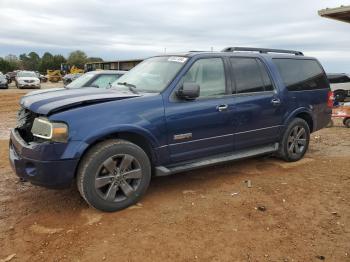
column 178, row 59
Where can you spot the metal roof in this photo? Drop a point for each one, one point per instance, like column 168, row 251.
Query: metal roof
column 341, row 13
column 116, row 61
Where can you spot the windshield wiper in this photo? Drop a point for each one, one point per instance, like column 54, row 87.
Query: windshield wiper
column 131, row 87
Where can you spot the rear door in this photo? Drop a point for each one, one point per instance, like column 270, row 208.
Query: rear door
column 201, row 127
column 307, row 88
column 258, row 109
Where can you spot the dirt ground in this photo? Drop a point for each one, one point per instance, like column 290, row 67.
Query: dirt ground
column 293, row 211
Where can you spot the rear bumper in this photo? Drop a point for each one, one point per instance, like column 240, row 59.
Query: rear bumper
column 47, row 173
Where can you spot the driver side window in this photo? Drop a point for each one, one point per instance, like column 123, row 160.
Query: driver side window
column 209, row 74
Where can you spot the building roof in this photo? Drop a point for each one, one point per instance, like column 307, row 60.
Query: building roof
column 341, row 13
column 116, row 61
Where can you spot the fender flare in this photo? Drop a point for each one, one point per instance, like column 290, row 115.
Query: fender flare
column 105, row 132
column 297, row 111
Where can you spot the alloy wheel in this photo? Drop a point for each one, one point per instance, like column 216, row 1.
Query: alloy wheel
column 297, row 140
column 118, row 178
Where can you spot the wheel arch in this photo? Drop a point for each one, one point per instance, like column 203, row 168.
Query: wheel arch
column 137, row 137
column 304, row 114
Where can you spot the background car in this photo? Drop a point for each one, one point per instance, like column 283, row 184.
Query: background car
column 11, row 75
column 68, row 78
column 3, row 81
column 340, row 85
column 99, row 79
column 42, row 78
column 27, row 79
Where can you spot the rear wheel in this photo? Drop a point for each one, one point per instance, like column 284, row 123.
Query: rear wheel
column 347, row 122
column 114, row 175
column 339, row 95
column 295, row 141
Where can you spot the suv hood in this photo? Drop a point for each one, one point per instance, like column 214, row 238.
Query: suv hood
column 46, row 102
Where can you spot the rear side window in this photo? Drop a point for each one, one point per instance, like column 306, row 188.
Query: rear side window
column 301, row 74
column 250, row 75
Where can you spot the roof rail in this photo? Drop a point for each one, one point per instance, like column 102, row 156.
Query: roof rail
column 261, row 50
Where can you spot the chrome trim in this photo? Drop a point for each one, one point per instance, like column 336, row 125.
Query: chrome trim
column 183, row 136
column 213, row 137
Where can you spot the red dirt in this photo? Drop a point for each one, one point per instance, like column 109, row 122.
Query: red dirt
column 204, row 215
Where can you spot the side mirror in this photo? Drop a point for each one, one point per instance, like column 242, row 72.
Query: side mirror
column 189, row 91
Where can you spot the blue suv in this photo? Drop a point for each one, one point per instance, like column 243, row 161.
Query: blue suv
column 169, row 114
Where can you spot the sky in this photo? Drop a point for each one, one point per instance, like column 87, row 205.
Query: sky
column 137, row 29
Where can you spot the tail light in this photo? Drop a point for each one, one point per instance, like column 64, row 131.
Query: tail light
column 330, row 101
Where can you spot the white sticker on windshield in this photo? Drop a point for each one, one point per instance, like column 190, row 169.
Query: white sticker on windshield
column 179, row 59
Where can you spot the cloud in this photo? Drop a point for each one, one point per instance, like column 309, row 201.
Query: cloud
column 136, row 28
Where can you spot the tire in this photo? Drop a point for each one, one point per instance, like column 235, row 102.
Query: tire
column 113, row 175
column 339, row 95
column 291, row 147
column 346, row 122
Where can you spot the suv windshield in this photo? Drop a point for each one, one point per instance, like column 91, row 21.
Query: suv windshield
column 152, row 75
column 26, row 74
column 80, row 81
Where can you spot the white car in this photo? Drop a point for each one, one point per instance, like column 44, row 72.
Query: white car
column 27, row 79
column 340, row 85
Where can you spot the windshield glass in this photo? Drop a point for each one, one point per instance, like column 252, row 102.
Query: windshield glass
column 80, row 81
column 26, row 74
column 2, row 77
column 152, row 75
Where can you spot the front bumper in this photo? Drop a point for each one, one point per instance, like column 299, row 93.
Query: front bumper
column 3, row 85
column 29, row 85
column 30, row 163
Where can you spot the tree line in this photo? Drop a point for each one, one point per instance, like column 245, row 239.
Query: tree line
column 33, row 62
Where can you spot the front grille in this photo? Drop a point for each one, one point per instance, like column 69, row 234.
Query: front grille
column 29, row 81
column 25, row 119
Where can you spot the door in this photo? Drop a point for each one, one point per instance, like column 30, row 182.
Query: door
column 201, row 127
column 258, row 110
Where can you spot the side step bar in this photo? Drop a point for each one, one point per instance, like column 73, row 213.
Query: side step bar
column 187, row 166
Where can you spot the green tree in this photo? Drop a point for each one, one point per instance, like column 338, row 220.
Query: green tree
column 58, row 60
column 14, row 61
column 94, row 59
column 34, row 61
column 77, row 58
column 47, row 62
column 31, row 61
column 5, row 66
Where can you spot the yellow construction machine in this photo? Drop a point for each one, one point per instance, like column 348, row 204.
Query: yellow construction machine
column 54, row 75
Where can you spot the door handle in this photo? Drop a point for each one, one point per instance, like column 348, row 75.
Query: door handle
column 221, row 108
column 276, row 101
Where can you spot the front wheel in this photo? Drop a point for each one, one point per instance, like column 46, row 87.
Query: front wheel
column 114, row 175
column 295, row 141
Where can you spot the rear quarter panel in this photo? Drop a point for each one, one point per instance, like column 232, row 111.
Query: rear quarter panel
column 313, row 102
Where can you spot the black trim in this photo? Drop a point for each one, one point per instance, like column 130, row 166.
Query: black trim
column 262, row 50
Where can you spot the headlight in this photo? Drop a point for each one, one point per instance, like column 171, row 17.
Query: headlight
column 54, row 131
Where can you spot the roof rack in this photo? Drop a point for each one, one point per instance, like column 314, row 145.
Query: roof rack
column 261, row 50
